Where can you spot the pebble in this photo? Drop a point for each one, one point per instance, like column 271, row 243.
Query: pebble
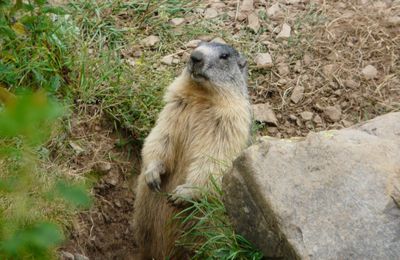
column 263, row 60
column 219, row 40
column 150, row 40
column 317, row 119
column 284, row 34
column 283, row 69
column 369, row 72
column 177, row 21
column 264, row 113
column 167, row 60
column 102, row 167
column 306, row 115
column 253, row 22
column 333, row 113
column 210, row 13
column 297, row 94
column 192, row 43
column 274, row 11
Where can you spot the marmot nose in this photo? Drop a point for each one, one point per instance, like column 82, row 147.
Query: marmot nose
column 197, row 58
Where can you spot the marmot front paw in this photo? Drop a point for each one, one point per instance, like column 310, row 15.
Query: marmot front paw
column 153, row 174
column 183, row 194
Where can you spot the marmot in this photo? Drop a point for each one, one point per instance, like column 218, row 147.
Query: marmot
column 204, row 125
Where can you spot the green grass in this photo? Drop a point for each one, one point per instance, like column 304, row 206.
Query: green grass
column 211, row 235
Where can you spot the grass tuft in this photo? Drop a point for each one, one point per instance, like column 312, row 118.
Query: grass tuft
column 211, row 236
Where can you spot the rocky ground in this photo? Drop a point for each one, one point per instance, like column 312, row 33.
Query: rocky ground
column 314, row 65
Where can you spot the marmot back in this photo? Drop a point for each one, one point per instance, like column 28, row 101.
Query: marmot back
column 206, row 121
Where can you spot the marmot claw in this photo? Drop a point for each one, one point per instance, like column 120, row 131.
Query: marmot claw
column 183, row 194
column 153, row 174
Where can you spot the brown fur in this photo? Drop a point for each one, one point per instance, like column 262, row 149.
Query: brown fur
column 199, row 128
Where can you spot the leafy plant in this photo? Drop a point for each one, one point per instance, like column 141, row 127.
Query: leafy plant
column 211, row 235
column 33, row 45
column 31, row 199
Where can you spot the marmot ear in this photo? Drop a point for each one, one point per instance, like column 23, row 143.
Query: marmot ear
column 242, row 62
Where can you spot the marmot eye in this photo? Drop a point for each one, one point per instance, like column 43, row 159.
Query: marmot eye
column 224, row 56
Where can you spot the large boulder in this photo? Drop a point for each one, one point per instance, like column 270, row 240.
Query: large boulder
column 331, row 195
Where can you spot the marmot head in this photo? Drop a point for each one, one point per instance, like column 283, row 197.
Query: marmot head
column 219, row 66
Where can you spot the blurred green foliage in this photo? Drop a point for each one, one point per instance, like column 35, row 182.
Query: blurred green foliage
column 29, row 195
column 34, row 64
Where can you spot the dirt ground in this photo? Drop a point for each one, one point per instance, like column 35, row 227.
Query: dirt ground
column 341, row 66
column 104, row 231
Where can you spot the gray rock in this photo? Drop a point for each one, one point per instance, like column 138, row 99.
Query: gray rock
column 80, row 257
column 369, row 72
column 66, row 256
column 331, row 195
column 177, row 21
column 333, row 113
column 253, row 22
column 284, row 34
column 307, row 115
column 210, row 13
column 297, row 94
column 264, row 113
column 150, row 41
column 263, row 60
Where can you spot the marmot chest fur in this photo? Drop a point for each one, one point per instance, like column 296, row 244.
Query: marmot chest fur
column 204, row 126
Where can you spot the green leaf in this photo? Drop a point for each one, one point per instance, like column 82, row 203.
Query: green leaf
column 41, row 2
column 53, row 10
column 37, row 239
column 74, row 194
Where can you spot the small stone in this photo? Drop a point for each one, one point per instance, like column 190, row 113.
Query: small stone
column 264, row 113
column 241, row 16
column 76, row 147
column 306, row 115
column 177, row 21
column 130, row 61
column 297, row 94
column 150, row 40
column 192, row 43
column 283, row 69
column 263, row 60
column 185, row 56
column 210, row 13
column 274, row 10
column 347, row 123
column 117, row 203
column 102, row 167
column 253, row 22
column 284, row 33
column 218, row 5
column 247, row 6
column 349, row 83
column 176, row 61
column 66, row 256
column 393, row 21
column 205, row 38
column 333, row 113
column 369, row 72
column 307, row 59
column 329, row 69
column 282, row 81
column 137, row 54
column 218, row 40
column 167, row 60
column 292, row 117
column 80, row 257
column 112, row 178
column 298, row 66
column 317, row 119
